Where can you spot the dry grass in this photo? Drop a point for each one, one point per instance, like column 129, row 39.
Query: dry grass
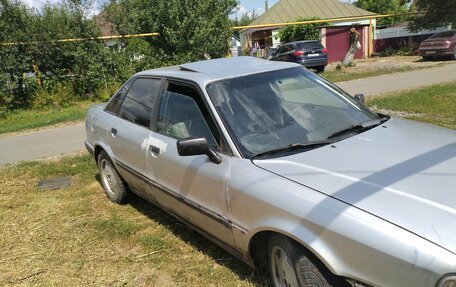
column 76, row 237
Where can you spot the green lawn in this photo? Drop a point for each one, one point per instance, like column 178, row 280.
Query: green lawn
column 30, row 119
column 434, row 104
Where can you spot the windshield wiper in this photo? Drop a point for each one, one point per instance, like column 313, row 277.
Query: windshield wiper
column 357, row 128
column 293, row 148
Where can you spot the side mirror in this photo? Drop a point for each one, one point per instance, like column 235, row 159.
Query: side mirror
column 197, row 146
column 359, row 98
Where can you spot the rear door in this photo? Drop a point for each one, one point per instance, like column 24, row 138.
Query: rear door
column 131, row 129
column 191, row 187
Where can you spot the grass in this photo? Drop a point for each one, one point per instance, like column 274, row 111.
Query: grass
column 434, row 104
column 347, row 75
column 30, row 119
column 77, row 237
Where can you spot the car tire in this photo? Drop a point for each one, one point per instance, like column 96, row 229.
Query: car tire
column 320, row 69
column 113, row 184
column 291, row 265
column 427, row 58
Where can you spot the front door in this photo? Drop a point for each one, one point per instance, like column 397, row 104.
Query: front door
column 192, row 187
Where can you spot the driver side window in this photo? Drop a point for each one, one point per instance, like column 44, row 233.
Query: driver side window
column 180, row 117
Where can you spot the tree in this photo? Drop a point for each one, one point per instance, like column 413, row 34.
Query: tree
column 188, row 29
column 80, row 66
column 246, row 19
column 385, row 7
column 16, row 22
column 437, row 13
column 300, row 32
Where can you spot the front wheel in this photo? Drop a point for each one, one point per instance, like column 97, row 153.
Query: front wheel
column 289, row 265
column 113, row 184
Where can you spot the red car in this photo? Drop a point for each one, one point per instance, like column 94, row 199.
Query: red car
column 442, row 44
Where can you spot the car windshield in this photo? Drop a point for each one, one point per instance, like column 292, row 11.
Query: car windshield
column 284, row 108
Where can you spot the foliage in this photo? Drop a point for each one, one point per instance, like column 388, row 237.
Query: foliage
column 188, row 29
column 437, row 13
column 246, row 19
column 38, row 71
column 401, row 51
column 36, row 62
column 385, row 7
column 300, row 32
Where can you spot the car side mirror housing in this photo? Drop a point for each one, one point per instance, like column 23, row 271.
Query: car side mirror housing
column 197, row 146
column 360, row 98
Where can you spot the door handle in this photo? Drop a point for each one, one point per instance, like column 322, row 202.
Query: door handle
column 154, row 149
column 113, row 131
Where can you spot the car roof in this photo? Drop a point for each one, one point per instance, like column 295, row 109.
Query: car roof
column 303, row 41
column 218, row 69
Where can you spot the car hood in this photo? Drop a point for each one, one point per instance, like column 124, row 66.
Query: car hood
column 402, row 171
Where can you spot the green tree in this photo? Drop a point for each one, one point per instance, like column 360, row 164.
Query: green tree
column 188, row 29
column 80, row 64
column 246, row 19
column 385, row 7
column 437, row 13
column 36, row 62
column 300, row 32
column 16, row 21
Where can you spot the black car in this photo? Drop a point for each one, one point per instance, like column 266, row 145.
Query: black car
column 311, row 54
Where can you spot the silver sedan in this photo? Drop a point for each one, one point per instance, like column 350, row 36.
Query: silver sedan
column 285, row 171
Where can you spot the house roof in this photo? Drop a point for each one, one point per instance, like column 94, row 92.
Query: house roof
column 289, row 10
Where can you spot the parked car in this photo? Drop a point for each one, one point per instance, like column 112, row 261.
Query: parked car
column 439, row 45
column 284, row 170
column 310, row 54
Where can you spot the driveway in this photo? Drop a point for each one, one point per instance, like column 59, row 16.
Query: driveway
column 42, row 144
column 70, row 139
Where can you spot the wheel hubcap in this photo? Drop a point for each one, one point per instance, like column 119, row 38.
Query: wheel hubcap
column 109, row 177
column 283, row 273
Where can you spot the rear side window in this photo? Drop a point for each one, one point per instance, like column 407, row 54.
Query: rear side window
column 139, row 102
column 309, row 46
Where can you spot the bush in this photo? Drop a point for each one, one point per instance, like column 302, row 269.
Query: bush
column 55, row 94
column 300, row 32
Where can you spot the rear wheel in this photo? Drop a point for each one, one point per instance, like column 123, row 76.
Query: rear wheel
column 320, row 69
column 114, row 186
column 291, row 266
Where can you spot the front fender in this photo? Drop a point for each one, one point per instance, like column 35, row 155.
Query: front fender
column 350, row 242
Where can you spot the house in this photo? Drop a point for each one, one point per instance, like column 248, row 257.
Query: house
column 334, row 37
